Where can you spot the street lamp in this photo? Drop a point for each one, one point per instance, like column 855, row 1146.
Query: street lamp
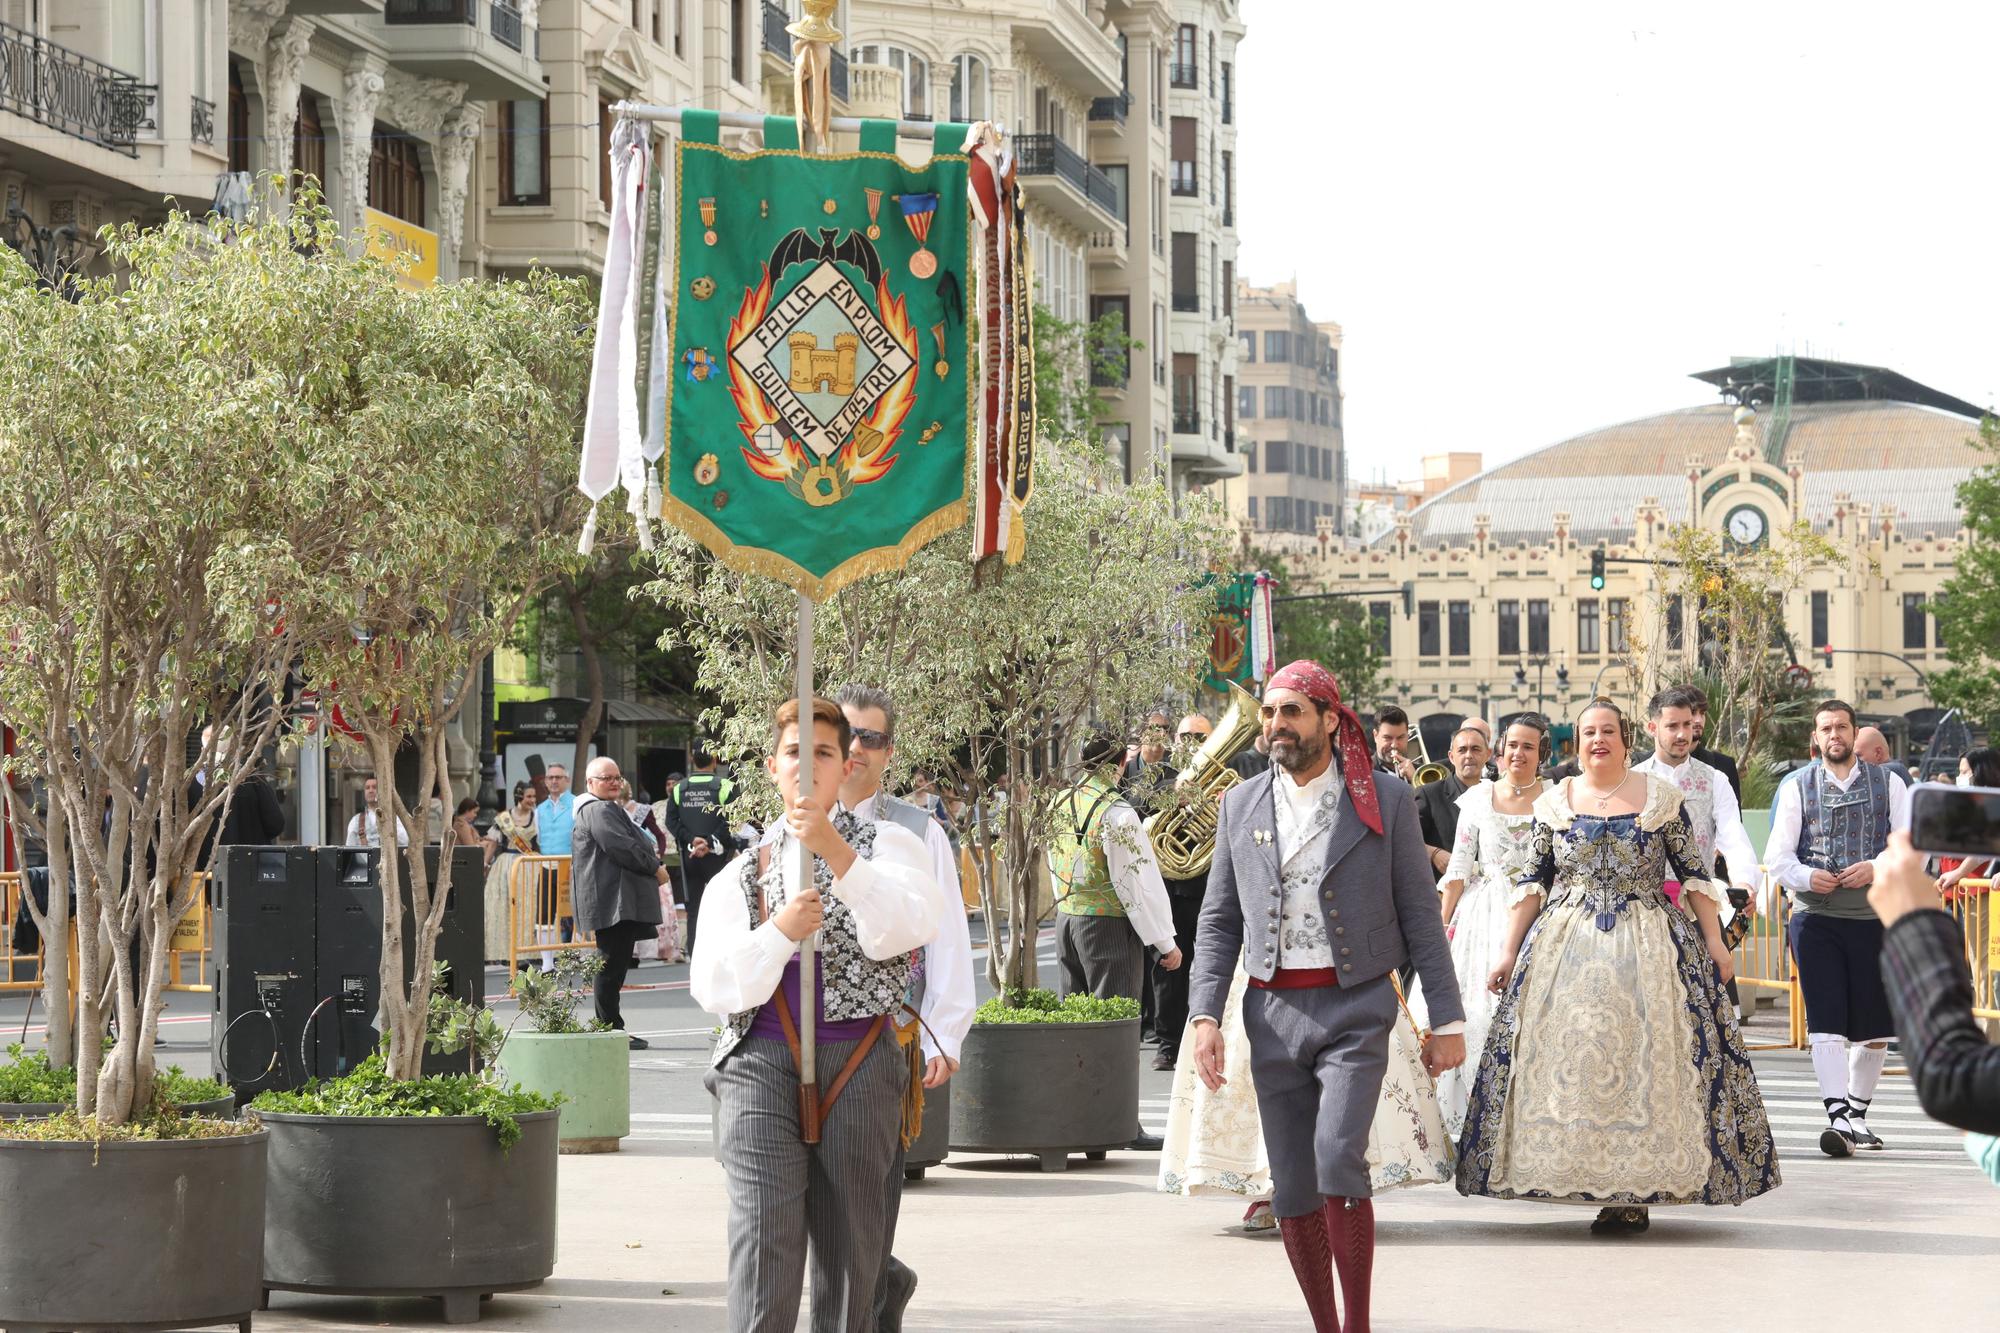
column 56, row 254
column 1541, row 662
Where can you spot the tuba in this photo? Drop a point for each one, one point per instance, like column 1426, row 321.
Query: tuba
column 1183, row 835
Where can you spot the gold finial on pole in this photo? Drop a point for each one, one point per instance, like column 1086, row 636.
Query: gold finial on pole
column 812, row 72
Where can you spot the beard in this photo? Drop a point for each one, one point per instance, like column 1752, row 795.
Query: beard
column 1295, row 753
column 1836, row 752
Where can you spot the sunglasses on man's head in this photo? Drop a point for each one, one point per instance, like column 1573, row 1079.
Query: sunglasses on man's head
column 869, row 739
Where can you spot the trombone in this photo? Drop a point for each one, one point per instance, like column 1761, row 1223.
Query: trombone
column 1428, row 770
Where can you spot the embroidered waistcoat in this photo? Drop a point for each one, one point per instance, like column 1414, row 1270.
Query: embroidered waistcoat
column 1302, row 849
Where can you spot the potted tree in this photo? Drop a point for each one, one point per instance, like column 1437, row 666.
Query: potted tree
column 459, row 432
column 154, row 513
column 32, row 1088
column 995, row 680
column 586, row 1064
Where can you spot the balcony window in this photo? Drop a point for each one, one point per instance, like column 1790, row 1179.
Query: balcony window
column 1822, row 635
column 1538, row 627
column 1277, row 401
column 1185, row 73
column 1228, row 93
column 1253, row 507
column 1187, row 271
column 1278, row 456
column 1115, row 374
column 309, row 142
column 1228, row 189
column 1187, row 394
column 1510, row 629
column 1617, row 637
column 1427, row 629
column 1379, row 621
column 524, row 152
column 1183, row 156
column 739, row 41
column 396, row 176
column 1588, row 626
column 916, row 72
column 968, row 89
column 1913, row 619
column 1229, row 289
column 1277, row 345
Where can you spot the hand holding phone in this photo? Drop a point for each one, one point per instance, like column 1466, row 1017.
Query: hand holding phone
column 1955, row 821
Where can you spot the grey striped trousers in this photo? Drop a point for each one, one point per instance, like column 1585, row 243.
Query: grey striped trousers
column 785, row 1195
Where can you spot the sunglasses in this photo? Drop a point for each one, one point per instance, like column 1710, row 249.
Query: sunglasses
column 869, row 739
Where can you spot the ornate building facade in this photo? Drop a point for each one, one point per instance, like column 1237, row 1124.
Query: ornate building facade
column 1502, row 616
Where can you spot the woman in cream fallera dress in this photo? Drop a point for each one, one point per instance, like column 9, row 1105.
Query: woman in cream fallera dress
column 1494, row 848
column 1613, row 1073
column 1215, row 1142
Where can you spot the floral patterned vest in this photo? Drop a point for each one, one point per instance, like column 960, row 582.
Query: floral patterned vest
column 856, row 986
column 1696, row 783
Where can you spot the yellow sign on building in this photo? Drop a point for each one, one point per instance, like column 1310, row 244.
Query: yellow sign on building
column 390, row 238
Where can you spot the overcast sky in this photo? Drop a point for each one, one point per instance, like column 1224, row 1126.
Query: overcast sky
column 1535, row 219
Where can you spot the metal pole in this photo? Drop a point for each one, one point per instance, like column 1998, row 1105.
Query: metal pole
column 312, row 788
column 748, row 120
column 808, row 735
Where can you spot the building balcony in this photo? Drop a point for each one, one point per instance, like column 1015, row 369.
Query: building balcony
column 1113, row 109
column 777, row 71
column 67, row 91
column 1060, row 181
column 1184, row 76
column 1203, row 455
column 484, row 44
column 1079, row 52
column 1187, row 303
column 1110, row 247
column 201, row 121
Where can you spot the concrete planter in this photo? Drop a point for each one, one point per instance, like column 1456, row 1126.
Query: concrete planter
column 930, row 1146
column 591, row 1071
column 1049, row 1089
column 141, row 1235
column 409, row 1206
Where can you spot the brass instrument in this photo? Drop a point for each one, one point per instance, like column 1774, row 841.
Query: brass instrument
column 1183, row 835
column 1429, row 770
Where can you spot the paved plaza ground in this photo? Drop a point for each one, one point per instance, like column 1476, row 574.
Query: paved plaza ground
column 1903, row 1239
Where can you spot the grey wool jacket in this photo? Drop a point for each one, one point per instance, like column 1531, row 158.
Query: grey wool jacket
column 1378, row 899
column 613, row 868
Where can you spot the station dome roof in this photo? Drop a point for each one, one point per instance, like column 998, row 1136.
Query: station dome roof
column 1884, row 441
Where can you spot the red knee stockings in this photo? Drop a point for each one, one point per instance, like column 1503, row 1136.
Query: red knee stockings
column 1308, row 1246
column 1351, row 1223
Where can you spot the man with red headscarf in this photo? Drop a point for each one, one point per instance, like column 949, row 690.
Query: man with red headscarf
column 1321, row 886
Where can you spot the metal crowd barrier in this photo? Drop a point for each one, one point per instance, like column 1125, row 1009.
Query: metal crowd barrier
column 188, row 947
column 538, row 903
column 1972, row 903
column 18, row 971
column 1764, row 962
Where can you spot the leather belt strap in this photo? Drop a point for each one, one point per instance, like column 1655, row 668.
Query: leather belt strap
column 1297, row 978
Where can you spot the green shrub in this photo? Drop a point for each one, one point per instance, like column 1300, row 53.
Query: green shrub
column 69, row 1127
column 369, row 1091
column 26, row 1077
column 1041, row 1006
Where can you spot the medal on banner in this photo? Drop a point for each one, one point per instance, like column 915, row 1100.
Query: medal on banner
column 919, row 211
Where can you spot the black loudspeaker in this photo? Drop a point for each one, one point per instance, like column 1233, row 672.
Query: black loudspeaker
column 261, row 902
column 350, row 949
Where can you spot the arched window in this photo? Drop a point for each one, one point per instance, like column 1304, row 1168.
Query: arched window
column 916, row 72
column 969, row 100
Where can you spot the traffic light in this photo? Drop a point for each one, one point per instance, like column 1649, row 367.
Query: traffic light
column 1597, row 570
column 1409, row 597
column 1826, row 655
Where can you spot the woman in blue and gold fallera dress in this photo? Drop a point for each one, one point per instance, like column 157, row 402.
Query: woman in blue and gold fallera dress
column 1613, row 1073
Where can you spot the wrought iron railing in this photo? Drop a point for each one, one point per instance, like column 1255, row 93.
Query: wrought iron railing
column 1185, row 181
column 1046, row 155
column 506, row 22
column 201, row 120
column 776, row 39
column 1184, row 76
column 432, row 11
column 1187, row 421
column 55, row 86
column 1111, row 108
column 1186, row 301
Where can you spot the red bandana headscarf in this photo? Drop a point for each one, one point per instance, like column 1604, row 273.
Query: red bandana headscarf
column 1357, row 765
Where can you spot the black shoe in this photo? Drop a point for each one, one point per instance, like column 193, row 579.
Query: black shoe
column 1865, row 1137
column 1166, row 1059
column 1620, row 1222
column 1836, row 1143
column 1147, row 1143
column 901, row 1281
column 638, row 1043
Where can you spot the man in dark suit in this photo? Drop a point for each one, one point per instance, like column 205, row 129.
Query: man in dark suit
column 1957, row 1072
column 1318, row 885
column 1437, row 802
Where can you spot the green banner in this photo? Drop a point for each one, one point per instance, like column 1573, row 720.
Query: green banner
column 1230, row 658
column 820, row 353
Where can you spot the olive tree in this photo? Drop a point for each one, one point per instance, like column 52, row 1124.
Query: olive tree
column 995, row 681
column 166, row 528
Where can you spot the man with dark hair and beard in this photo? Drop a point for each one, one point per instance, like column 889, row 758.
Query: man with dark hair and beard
column 1321, row 887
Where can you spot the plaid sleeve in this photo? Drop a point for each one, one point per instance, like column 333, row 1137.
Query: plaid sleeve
column 1956, row 1071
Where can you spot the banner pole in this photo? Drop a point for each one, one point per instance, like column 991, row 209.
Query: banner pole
column 808, row 735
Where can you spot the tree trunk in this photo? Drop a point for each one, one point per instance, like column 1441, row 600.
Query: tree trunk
column 401, row 1023
column 593, row 682
column 57, row 1002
